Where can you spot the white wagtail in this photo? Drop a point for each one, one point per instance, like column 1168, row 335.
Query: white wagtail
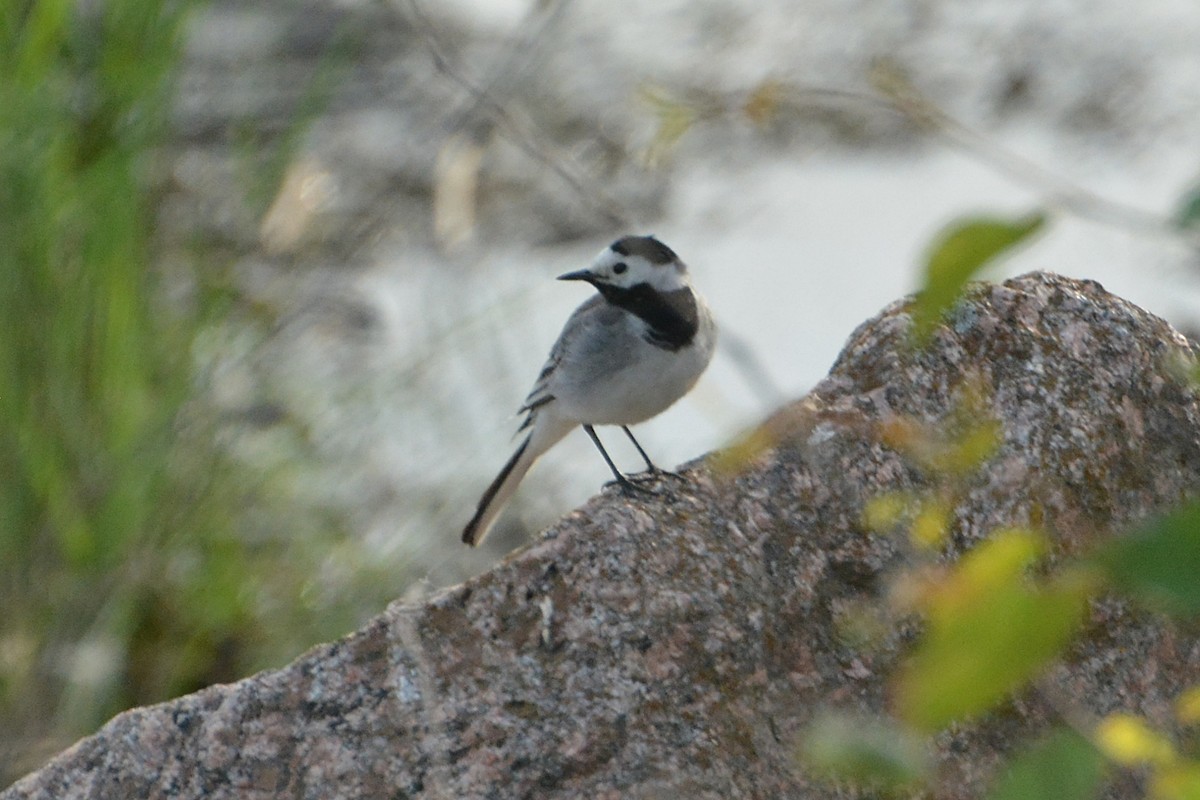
column 624, row 356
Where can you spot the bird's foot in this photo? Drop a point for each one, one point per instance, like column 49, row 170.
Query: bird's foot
column 659, row 472
column 631, row 485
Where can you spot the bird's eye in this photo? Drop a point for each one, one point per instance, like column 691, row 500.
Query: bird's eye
column 620, row 267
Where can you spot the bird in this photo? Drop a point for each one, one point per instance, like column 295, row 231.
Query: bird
column 625, row 355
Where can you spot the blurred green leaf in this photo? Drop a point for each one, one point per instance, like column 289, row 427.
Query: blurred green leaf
column 1062, row 766
column 871, row 752
column 885, row 511
column 1159, row 563
column 970, row 450
column 1188, row 214
column 931, row 524
column 957, row 254
column 971, row 659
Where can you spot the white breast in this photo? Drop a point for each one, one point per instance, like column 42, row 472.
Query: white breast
column 611, row 374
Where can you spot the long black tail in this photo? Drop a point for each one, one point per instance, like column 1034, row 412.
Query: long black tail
column 491, row 503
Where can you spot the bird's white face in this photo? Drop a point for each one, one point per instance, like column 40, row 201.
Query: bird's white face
column 632, row 262
column 626, row 271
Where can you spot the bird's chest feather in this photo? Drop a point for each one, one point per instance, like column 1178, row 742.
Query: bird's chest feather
column 630, row 379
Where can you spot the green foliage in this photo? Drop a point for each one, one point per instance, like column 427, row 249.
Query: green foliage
column 968, row 664
column 957, row 255
column 1178, row 781
column 1159, row 563
column 999, row 617
column 137, row 560
column 94, row 377
column 988, row 634
column 1061, row 766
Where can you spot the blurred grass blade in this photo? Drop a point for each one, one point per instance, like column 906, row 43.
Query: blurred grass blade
column 1062, row 766
column 957, row 254
column 973, row 658
column 1159, row 563
column 868, row 752
column 40, row 31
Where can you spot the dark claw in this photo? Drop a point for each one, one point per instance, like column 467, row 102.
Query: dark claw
column 629, row 487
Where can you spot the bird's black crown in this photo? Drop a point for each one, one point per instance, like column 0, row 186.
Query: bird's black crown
column 647, row 247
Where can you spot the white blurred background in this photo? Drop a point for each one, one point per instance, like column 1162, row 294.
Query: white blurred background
column 464, row 153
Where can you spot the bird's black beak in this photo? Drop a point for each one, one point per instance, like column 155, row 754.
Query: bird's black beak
column 578, row 275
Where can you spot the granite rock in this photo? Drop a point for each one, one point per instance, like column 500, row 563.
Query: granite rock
column 673, row 644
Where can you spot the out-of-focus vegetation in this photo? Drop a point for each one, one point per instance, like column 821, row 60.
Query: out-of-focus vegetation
column 992, row 627
column 957, row 255
column 137, row 560
column 998, row 619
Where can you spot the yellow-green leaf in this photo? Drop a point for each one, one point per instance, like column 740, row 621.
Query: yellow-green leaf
column 957, row 254
column 930, row 526
column 885, row 511
column 1187, row 706
column 1179, row 780
column 1128, row 740
column 975, row 446
column 995, row 563
column 971, row 659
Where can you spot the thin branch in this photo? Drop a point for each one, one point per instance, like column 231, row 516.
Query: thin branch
column 483, row 99
column 901, row 95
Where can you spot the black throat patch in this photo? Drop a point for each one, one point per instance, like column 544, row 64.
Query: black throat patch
column 672, row 317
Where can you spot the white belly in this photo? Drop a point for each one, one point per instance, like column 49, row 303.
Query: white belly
column 639, row 381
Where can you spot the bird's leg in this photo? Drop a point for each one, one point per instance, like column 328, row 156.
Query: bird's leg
column 653, row 470
column 621, row 480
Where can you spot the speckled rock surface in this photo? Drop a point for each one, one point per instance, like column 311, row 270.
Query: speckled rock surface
column 672, row 645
